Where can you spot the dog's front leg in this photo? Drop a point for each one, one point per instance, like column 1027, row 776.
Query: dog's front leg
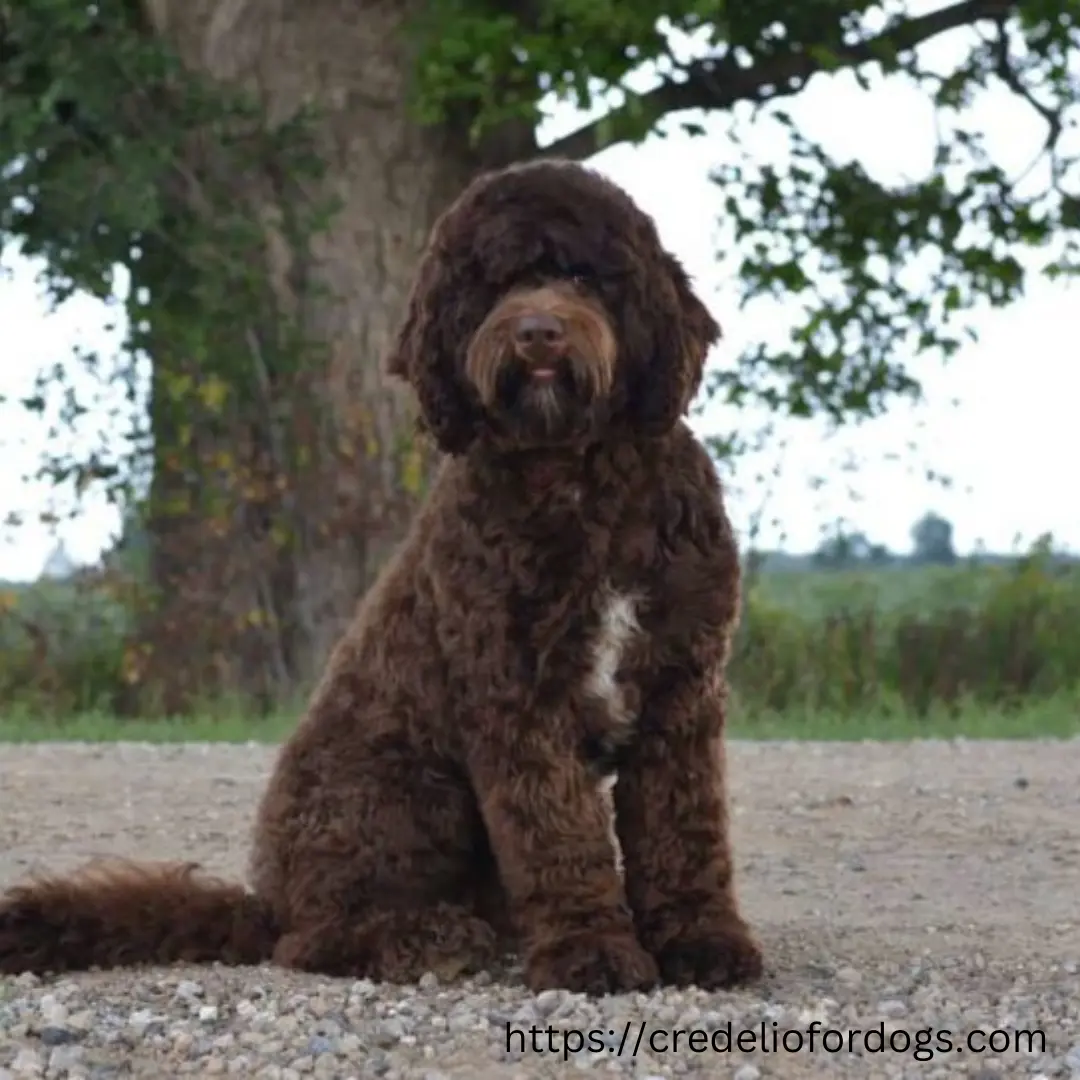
column 672, row 823
column 549, row 829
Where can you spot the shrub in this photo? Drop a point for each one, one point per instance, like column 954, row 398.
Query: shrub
column 990, row 634
column 920, row 639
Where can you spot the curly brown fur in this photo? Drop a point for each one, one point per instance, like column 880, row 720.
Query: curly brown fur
column 115, row 911
column 560, row 611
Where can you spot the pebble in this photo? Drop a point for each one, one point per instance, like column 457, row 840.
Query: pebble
column 27, row 1062
column 56, row 1036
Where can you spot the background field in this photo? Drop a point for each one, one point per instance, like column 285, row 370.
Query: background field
column 872, row 648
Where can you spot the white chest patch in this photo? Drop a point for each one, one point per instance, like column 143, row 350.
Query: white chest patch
column 618, row 625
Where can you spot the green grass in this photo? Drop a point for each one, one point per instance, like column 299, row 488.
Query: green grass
column 1057, row 717
column 23, row 727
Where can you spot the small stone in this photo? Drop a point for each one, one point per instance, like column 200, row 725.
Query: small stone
column 27, row 1063
column 320, row 1044
column 526, row 1015
column 429, row 981
column 81, row 1021
column 892, row 1007
column 644, row 1065
column 57, row 1036
column 52, row 1012
column 287, row 1025
column 747, row 1072
column 689, row 1018
column 208, row 1014
column 363, row 989
column 389, row 1032
column 546, row 1002
column 144, row 1023
column 461, row 1021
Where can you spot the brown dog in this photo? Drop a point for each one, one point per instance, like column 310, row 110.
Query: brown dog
column 560, row 611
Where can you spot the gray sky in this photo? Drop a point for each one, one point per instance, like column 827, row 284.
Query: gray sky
column 999, row 420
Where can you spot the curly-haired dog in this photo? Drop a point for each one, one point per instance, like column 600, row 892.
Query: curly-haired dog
column 560, row 611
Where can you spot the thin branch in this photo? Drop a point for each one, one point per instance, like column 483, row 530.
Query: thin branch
column 720, row 83
column 1054, row 125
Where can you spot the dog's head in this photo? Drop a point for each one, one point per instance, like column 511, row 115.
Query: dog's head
column 545, row 311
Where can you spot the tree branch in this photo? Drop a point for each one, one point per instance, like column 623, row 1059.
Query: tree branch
column 720, row 83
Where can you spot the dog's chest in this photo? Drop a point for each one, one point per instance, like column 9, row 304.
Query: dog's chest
column 616, row 632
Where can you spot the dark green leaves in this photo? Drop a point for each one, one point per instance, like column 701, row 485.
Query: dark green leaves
column 97, row 121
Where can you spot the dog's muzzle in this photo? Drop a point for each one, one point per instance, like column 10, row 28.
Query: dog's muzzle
column 540, row 342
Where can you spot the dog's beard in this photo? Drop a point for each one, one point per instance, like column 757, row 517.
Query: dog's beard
column 548, row 409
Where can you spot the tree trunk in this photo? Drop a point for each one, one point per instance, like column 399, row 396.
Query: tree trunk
column 325, row 472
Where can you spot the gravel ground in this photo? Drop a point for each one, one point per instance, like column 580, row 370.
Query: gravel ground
column 904, row 893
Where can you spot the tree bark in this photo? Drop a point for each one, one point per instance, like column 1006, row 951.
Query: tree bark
column 328, row 449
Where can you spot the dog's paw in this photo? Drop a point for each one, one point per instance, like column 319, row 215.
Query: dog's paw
column 583, row 963
column 712, row 959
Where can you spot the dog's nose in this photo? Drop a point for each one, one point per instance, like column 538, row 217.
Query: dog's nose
column 539, row 334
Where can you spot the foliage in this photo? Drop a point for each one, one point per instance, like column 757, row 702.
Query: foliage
column 119, row 160
column 821, row 231
column 100, row 124
column 933, row 538
column 62, row 645
column 915, row 639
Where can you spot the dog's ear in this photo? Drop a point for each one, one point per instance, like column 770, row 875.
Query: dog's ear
column 424, row 354
column 677, row 330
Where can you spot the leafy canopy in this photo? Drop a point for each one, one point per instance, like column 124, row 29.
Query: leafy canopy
column 98, row 120
column 823, row 232
column 114, row 158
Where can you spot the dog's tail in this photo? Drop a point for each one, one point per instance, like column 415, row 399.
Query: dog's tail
column 122, row 914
